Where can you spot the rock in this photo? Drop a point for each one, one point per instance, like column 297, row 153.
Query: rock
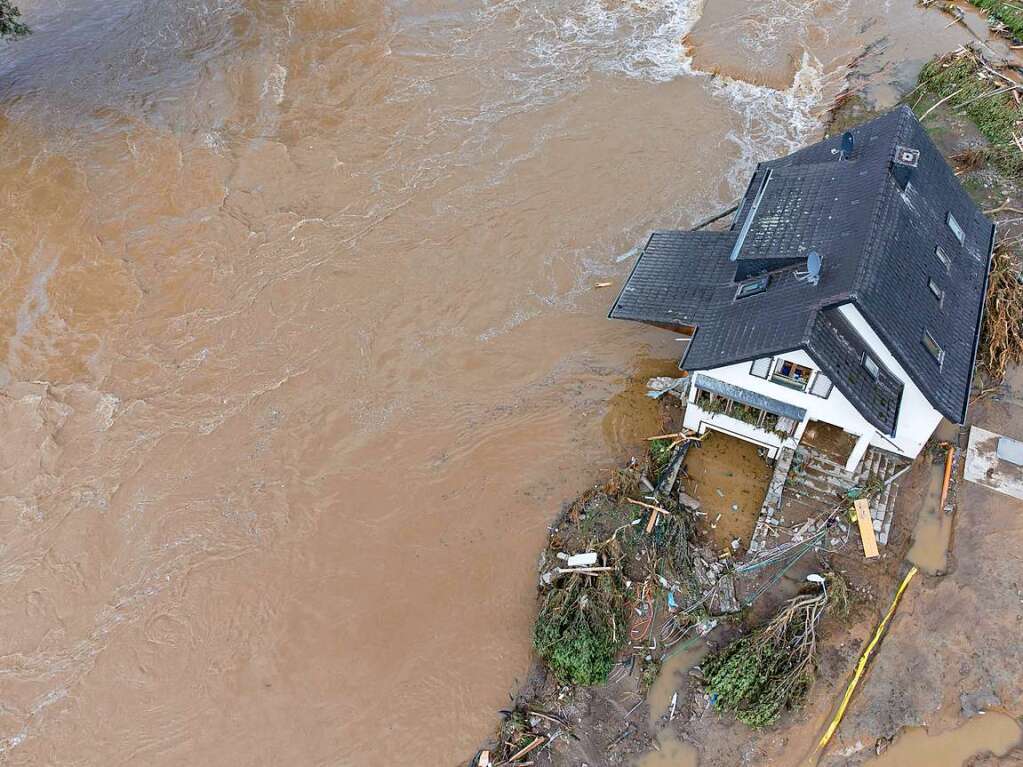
column 688, row 501
column 974, row 703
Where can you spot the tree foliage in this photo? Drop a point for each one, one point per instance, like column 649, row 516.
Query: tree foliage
column 759, row 676
column 581, row 627
column 11, row 25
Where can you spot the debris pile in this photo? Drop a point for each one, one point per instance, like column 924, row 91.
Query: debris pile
column 1002, row 334
column 988, row 94
column 620, row 554
column 525, row 734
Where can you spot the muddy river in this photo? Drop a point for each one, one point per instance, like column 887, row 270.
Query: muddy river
column 301, row 349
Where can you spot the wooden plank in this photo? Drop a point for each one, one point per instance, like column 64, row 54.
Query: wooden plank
column 862, row 507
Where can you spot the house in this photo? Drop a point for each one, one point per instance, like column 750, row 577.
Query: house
column 849, row 289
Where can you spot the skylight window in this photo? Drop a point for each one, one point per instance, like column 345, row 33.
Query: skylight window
column 932, row 347
column 751, row 288
column 954, row 226
column 871, row 365
column 943, row 257
column 936, row 291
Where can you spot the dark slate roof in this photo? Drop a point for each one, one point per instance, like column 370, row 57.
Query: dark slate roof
column 838, row 349
column 876, row 223
column 747, row 397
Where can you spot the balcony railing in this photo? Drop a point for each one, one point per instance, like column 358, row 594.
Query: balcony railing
column 759, row 418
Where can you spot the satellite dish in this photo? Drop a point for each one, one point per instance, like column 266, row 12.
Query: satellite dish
column 814, row 264
column 847, row 144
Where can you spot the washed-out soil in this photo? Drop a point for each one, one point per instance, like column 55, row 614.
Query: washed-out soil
column 730, row 478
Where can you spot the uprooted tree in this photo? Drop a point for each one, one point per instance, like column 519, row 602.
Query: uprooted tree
column 642, row 549
column 760, row 675
column 11, row 25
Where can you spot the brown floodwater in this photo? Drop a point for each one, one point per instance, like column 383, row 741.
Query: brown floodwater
column 991, row 733
column 933, row 530
column 669, row 752
column 301, row 349
column 672, row 679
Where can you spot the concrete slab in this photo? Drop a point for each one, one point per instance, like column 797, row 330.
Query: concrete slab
column 984, row 466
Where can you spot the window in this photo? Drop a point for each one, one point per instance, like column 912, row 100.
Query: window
column 761, row 368
column 752, row 287
column 750, row 216
column 871, row 365
column 821, row 386
column 943, row 257
column 954, row 226
column 932, row 347
column 937, row 292
column 790, row 374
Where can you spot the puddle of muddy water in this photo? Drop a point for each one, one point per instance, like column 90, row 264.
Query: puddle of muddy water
column 730, row 479
column 671, row 753
column 632, row 416
column 672, row 679
column 933, row 528
column 994, row 732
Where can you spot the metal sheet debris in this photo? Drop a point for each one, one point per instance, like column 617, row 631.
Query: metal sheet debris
column 1010, row 450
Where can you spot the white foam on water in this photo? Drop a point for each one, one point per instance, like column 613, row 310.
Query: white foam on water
column 773, row 122
column 636, row 38
column 273, row 85
column 643, row 39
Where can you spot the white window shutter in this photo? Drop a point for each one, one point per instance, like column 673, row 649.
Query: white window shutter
column 821, row 385
column 761, row 367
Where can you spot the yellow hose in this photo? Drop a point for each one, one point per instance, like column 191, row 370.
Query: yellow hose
column 862, row 665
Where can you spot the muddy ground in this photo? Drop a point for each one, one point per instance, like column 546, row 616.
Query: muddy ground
column 953, row 650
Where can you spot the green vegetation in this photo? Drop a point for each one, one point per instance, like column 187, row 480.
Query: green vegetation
column 581, row 627
column 760, row 675
column 660, row 454
column 10, row 24
column 1010, row 15
column 587, row 616
column 965, row 84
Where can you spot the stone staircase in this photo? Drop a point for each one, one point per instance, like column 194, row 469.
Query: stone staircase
column 814, row 483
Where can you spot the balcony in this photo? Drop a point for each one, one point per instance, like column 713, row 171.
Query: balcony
column 745, row 413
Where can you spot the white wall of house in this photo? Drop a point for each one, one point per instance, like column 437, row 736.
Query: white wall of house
column 917, row 419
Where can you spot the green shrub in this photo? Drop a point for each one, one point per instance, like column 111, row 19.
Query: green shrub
column 11, row 25
column 748, row 677
column 581, row 628
column 760, row 675
column 660, row 454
